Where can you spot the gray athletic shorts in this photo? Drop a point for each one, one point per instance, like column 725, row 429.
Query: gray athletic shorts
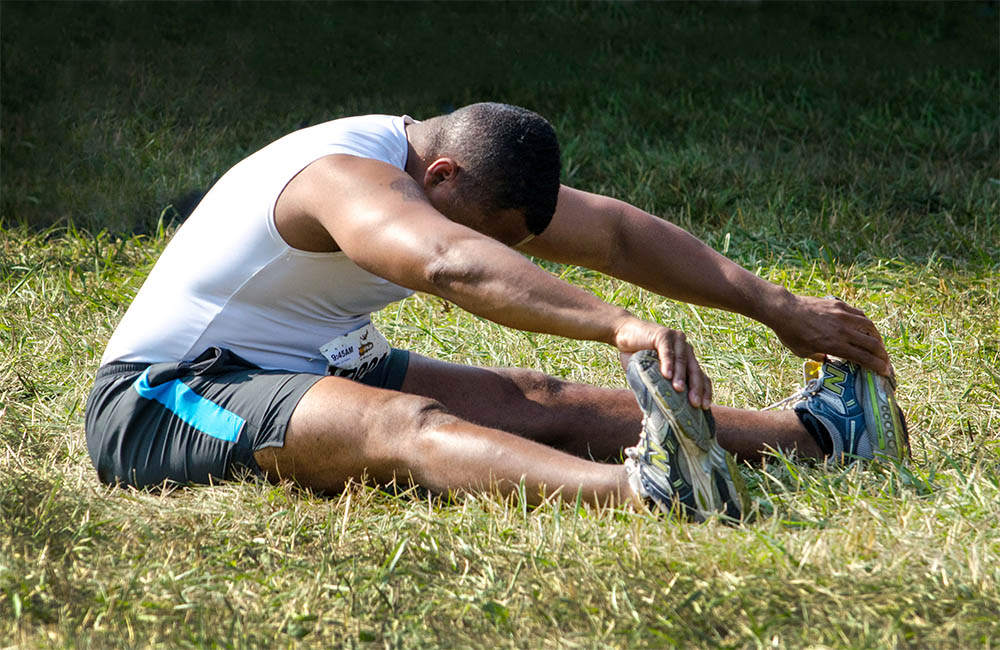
column 198, row 422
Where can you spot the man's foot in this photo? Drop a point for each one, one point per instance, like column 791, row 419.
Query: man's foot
column 678, row 464
column 852, row 410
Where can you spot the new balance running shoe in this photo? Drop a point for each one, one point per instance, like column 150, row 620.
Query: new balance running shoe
column 853, row 409
column 678, row 464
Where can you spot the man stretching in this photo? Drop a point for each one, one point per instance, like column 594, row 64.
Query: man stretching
column 250, row 345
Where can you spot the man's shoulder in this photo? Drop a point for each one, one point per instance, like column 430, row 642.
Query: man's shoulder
column 379, row 137
column 375, row 124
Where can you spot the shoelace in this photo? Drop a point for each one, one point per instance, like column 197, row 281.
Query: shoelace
column 811, row 388
column 634, row 452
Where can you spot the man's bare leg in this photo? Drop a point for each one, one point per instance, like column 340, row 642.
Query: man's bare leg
column 586, row 421
column 343, row 430
column 751, row 434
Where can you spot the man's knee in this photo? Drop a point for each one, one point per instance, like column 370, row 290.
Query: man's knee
column 400, row 421
column 423, row 413
column 535, row 386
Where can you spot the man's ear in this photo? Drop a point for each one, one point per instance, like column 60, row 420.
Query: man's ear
column 440, row 171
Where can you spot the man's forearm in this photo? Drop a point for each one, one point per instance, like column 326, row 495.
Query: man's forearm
column 659, row 256
column 501, row 285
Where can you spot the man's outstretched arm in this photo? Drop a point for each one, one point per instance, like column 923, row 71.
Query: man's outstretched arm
column 628, row 243
column 378, row 216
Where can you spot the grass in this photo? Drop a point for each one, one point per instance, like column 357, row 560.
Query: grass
column 843, row 149
column 885, row 557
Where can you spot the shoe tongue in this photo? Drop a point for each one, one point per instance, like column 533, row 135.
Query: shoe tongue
column 810, row 370
column 817, row 430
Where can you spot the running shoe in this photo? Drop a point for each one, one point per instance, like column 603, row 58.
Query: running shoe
column 854, row 409
column 678, row 464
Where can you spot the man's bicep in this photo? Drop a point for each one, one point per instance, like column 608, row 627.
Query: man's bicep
column 380, row 219
column 583, row 231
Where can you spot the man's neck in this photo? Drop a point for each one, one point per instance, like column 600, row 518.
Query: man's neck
column 418, row 140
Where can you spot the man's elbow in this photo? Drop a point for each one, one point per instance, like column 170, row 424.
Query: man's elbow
column 447, row 270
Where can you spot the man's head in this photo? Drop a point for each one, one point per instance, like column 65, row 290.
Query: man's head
column 507, row 161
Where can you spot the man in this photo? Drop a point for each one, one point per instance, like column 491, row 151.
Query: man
column 250, row 346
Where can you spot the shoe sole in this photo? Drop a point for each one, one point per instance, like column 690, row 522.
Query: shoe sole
column 883, row 417
column 710, row 471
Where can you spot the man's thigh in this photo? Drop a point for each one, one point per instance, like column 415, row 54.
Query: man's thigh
column 344, row 430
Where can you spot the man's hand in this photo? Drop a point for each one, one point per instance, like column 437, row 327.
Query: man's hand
column 815, row 327
column 677, row 359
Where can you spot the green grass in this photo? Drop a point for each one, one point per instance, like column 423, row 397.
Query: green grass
column 845, row 149
column 885, row 557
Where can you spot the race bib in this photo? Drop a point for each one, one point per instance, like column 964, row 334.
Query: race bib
column 354, row 354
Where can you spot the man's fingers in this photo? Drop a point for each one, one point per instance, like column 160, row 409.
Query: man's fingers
column 865, row 358
column 666, row 356
column 870, row 342
column 861, row 324
column 681, row 351
column 860, row 347
column 855, row 331
column 700, row 391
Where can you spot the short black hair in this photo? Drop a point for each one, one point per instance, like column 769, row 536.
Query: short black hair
column 510, row 156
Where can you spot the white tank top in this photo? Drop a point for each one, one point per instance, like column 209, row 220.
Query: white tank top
column 228, row 279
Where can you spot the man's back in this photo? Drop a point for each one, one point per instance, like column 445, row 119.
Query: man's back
column 229, row 279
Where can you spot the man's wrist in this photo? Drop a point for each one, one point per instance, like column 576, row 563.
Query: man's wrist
column 618, row 323
column 772, row 304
